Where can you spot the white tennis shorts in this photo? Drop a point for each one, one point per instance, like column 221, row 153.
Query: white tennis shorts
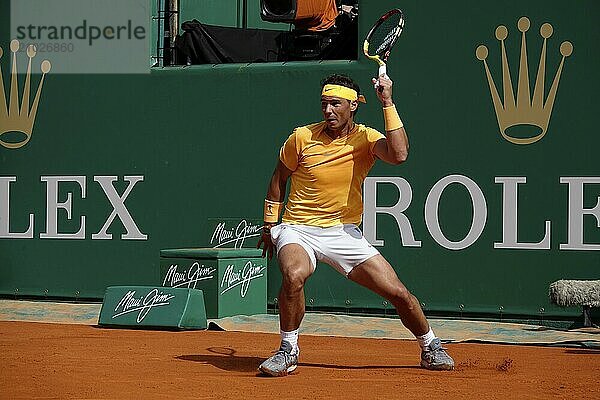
column 341, row 246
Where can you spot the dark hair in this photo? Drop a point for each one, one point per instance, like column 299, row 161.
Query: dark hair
column 342, row 80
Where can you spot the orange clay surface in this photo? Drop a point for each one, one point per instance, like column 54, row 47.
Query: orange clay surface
column 52, row 361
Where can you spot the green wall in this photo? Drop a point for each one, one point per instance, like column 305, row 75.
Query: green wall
column 205, row 140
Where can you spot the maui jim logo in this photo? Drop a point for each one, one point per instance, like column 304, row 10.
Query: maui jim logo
column 142, row 304
column 188, row 278
column 224, row 235
column 241, row 278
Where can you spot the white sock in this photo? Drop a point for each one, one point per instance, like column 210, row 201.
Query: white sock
column 426, row 339
column 291, row 338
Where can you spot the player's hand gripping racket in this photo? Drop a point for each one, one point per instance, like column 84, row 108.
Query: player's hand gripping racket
column 382, row 37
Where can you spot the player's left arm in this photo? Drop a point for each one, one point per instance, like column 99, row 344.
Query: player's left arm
column 275, row 195
column 392, row 149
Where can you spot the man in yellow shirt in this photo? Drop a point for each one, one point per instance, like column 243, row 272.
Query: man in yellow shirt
column 326, row 164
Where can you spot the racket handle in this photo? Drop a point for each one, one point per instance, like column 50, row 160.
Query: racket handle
column 382, row 70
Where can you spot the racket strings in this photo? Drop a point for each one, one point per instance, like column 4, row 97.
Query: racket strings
column 384, row 36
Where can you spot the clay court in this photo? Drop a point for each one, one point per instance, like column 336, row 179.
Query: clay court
column 68, row 361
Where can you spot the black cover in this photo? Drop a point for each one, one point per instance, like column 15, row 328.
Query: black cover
column 210, row 44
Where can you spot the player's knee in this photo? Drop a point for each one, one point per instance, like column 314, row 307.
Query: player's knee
column 293, row 279
column 403, row 298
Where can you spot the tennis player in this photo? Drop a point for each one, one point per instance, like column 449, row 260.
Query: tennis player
column 327, row 163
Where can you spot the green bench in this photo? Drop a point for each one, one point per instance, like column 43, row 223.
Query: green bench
column 234, row 281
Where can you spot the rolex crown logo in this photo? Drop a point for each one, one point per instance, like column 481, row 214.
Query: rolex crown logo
column 525, row 110
column 12, row 117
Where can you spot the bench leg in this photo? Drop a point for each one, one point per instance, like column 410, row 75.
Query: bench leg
column 587, row 320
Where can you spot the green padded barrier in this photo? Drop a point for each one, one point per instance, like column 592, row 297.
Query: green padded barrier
column 234, row 281
column 156, row 307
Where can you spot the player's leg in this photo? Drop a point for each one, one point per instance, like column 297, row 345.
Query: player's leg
column 378, row 275
column 296, row 266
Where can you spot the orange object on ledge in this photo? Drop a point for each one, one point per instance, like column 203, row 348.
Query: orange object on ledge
column 315, row 15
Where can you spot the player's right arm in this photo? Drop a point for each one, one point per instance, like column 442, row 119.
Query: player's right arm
column 278, row 183
column 394, row 148
column 276, row 195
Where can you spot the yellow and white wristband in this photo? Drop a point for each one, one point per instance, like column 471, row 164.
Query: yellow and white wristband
column 271, row 211
column 391, row 118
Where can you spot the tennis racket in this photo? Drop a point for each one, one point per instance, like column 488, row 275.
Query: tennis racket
column 382, row 37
